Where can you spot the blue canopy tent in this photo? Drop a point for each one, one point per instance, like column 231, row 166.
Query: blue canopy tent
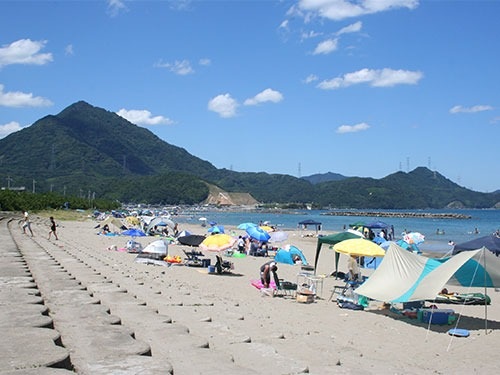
column 377, row 225
column 309, row 222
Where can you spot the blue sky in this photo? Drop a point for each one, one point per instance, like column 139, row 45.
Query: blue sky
column 362, row 88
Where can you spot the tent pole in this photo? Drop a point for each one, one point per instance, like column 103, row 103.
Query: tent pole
column 485, row 296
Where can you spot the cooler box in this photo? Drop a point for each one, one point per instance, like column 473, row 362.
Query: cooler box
column 436, row 316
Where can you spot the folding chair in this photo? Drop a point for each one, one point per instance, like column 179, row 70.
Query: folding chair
column 284, row 288
column 346, row 290
column 193, row 258
column 222, row 266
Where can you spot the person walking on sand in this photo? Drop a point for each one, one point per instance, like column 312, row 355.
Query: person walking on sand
column 27, row 223
column 53, row 227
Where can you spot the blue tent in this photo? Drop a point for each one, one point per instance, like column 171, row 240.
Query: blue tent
column 484, row 268
column 286, row 255
column 491, row 242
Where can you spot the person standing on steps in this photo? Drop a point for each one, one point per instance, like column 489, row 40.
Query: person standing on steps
column 53, row 228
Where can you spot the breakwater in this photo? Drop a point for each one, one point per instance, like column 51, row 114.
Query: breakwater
column 425, row 215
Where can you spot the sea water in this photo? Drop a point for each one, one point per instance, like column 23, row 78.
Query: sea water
column 438, row 232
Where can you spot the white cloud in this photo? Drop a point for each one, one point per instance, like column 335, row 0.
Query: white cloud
column 143, row 117
column 309, row 35
column 268, row 95
column 178, row 67
column 352, row 28
column 337, row 10
column 376, row 78
column 353, row 128
column 181, row 5
column 21, row 99
column 311, row 78
column 473, row 109
column 9, row 128
column 325, row 47
column 224, row 105
column 69, row 50
column 284, row 25
column 205, row 62
column 24, row 51
column 115, row 7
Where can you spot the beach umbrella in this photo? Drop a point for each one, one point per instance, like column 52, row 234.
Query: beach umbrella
column 278, row 236
column 183, row 233
column 134, row 232
column 359, row 247
column 191, row 240
column 216, row 229
column 258, row 234
column 267, row 228
column 217, row 242
column 133, row 220
column 414, row 238
column 245, row 226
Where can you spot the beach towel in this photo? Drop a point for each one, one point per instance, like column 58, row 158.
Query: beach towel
column 258, row 284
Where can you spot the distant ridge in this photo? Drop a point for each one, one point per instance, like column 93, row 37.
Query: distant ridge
column 92, row 153
column 324, row 177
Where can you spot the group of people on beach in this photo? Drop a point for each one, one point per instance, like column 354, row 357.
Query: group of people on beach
column 252, row 247
column 27, row 226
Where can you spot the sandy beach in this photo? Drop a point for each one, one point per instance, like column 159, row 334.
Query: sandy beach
column 194, row 322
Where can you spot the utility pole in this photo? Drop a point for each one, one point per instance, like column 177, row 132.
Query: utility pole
column 34, row 182
column 8, row 182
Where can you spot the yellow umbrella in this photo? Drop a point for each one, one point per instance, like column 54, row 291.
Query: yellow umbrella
column 134, row 220
column 267, row 228
column 359, row 247
column 217, row 242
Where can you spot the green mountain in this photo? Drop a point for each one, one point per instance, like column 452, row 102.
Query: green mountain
column 90, row 152
column 324, row 177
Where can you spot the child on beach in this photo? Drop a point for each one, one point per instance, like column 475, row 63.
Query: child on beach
column 53, row 228
column 27, row 223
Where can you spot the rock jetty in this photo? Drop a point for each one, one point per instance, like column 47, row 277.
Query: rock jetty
column 425, row 215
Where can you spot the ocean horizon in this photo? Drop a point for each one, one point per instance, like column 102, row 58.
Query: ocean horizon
column 438, row 231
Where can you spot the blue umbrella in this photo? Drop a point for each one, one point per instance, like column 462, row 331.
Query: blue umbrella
column 258, row 234
column 245, row 226
column 134, row 232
